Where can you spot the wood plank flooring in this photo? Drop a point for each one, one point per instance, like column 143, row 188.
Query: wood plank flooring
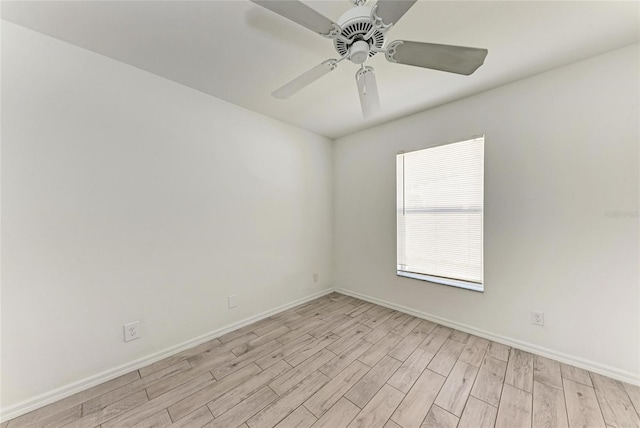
column 340, row 362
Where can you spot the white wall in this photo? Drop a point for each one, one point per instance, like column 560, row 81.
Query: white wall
column 561, row 150
column 130, row 197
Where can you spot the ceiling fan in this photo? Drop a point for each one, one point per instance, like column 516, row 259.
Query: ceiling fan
column 359, row 34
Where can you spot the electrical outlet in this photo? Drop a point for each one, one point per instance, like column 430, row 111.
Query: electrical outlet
column 537, row 318
column 132, row 331
column 231, row 301
column 316, row 278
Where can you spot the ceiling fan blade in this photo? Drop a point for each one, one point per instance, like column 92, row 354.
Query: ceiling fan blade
column 368, row 91
column 390, row 11
column 453, row 59
column 299, row 13
column 305, row 79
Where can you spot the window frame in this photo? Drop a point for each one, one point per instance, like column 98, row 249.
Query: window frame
column 454, row 282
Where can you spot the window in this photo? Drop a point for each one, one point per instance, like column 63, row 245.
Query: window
column 440, row 214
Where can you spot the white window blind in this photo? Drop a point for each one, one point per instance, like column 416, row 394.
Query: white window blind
column 440, row 205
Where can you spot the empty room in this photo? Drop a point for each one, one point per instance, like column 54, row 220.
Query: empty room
column 320, row 213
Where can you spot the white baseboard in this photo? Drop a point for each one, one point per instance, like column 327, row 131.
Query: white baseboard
column 65, row 391
column 582, row 363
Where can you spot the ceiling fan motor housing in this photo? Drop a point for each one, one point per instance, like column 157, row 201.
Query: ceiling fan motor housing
column 356, row 23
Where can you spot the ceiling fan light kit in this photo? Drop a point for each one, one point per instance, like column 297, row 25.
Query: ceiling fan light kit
column 359, row 34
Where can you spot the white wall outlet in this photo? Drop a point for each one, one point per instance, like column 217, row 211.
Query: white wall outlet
column 132, row 331
column 232, row 301
column 316, row 278
column 537, row 318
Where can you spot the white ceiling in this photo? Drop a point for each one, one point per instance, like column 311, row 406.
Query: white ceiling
column 240, row 52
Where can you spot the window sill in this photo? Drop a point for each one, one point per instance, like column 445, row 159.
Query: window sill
column 445, row 281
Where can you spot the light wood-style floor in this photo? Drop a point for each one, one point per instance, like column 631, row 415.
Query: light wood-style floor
column 341, row 362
